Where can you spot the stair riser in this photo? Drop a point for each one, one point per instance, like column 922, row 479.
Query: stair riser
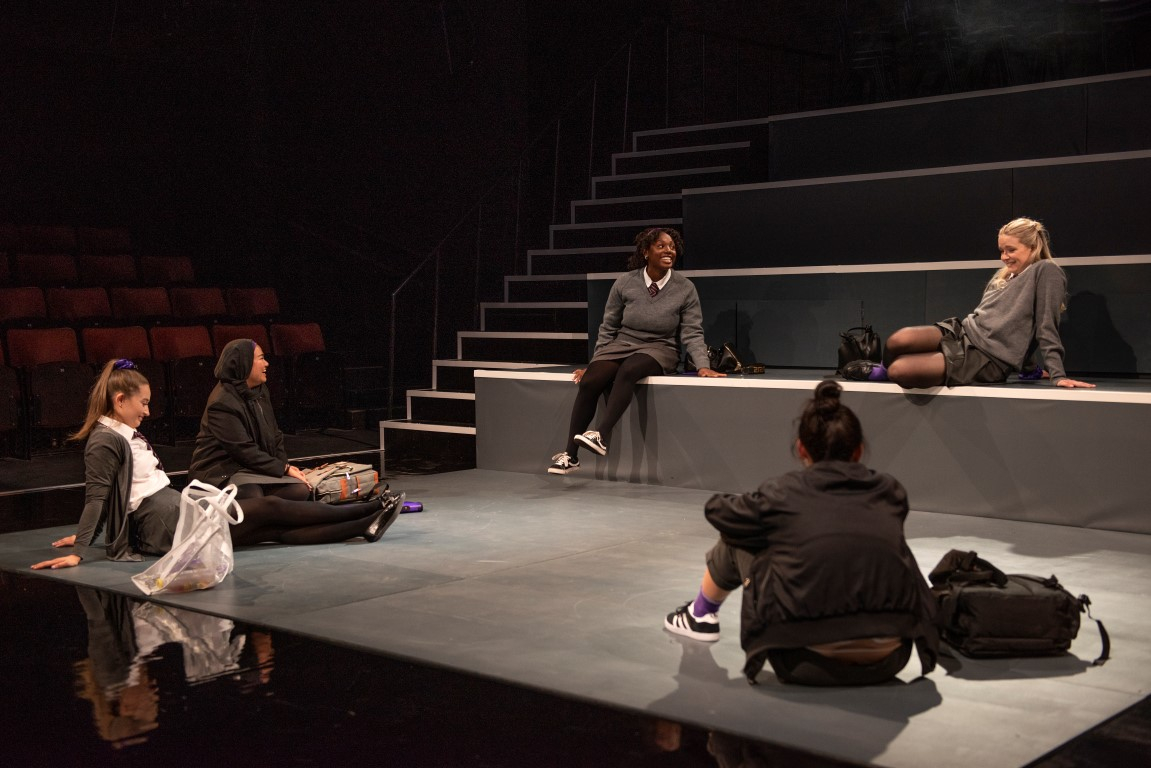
column 565, row 320
column 631, row 210
column 567, row 264
column 720, row 135
column 734, row 156
column 563, row 351
column 451, row 452
column 661, row 185
column 442, row 409
column 547, row 290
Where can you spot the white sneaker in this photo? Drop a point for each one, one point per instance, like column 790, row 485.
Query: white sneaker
column 562, row 464
column 682, row 621
column 592, row 440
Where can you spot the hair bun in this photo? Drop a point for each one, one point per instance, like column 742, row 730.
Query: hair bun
column 827, row 397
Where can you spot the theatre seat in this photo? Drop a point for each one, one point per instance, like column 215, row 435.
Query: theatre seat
column 315, row 376
column 141, row 306
column 187, row 352
column 112, row 240
column 20, row 304
column 107, row 269
column 258, row 304
column 79, row 306
column 50, row 238
column 46, row 269
column 196, row 303
column 55, row 384
column 166, row 271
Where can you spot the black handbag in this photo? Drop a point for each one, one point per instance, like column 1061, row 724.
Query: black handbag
column 985, row 613
column 723, row 359
column 859, row 343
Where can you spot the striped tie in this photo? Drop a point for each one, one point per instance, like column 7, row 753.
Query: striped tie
column 159, row 464
column 653, row 289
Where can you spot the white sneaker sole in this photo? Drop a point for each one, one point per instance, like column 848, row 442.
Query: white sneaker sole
column 706, row 637
column 591, row 445
column 558, row 471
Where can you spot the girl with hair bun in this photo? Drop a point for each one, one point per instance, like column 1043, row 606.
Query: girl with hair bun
column 832, row 594
column 129, row 498
column 1017, row 317
column 651, row 312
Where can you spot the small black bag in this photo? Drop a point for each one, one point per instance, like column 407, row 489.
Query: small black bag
column 724, row 359
column 985, row 613
column 859, row 343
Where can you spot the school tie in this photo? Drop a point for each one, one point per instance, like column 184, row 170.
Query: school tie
column 653, row 289
column 159, row 464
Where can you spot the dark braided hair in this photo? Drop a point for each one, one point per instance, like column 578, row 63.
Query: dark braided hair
column 644, row 240
column 828, row 429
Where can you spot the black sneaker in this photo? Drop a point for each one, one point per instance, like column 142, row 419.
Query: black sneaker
column 562, row 464
column 592, row 440
column 681, row 622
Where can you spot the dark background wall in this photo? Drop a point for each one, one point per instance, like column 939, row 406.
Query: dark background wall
column 328, row 148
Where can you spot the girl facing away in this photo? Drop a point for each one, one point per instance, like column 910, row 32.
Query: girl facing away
column 832, row 594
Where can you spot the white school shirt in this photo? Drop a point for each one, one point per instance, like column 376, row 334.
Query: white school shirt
column 147, row 477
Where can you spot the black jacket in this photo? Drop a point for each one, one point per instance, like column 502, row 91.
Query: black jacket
column 238, row 429
column 831, row 561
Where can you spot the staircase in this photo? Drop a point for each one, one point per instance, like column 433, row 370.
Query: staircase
column 542, row 321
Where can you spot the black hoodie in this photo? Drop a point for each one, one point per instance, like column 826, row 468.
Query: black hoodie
column 238, row 430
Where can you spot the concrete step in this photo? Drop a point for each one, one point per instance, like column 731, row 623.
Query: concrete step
column 521, row 346
column 534, row 316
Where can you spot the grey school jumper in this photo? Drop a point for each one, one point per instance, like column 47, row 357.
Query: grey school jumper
column 1012, row 321
column 633, row 322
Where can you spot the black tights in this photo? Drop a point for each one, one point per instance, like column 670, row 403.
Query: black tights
column 282, row 514
column 618, row 378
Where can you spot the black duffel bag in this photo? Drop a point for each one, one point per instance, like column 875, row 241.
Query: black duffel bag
column 985, row 613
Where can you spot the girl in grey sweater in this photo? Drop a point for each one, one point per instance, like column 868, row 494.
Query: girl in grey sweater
column 1017, row 317
column 650, row 311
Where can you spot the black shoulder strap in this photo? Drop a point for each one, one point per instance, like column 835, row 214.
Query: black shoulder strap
column 1085, row 607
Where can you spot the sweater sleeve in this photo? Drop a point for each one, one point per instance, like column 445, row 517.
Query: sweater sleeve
column 102, row 464
column 691, row 329
column 1050, row 292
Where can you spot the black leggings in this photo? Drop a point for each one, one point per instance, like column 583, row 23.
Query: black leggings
column 284, row 518
column 618, row 378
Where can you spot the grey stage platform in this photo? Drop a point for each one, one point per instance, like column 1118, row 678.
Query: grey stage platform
column 561, row 584
column 1020, row 451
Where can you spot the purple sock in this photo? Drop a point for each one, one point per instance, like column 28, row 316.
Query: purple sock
column 703, row 606
column 878, row 373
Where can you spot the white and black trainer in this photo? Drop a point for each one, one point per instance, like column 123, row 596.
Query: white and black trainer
column 592, row 440
column 562, row 464
column 682, row 622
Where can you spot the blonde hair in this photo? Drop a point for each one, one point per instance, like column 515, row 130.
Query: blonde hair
column 1033, row 235
column 115, row 377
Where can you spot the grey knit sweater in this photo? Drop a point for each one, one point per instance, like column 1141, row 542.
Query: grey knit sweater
column 1012, row 321
column 633, row 322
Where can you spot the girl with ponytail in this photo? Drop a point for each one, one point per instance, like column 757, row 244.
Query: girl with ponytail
column 1017, row 318
column 831, row 592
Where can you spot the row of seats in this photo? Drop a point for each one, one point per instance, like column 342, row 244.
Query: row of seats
column 97, row 269
column 48, row 372
column 30, row 306
column 64, row 238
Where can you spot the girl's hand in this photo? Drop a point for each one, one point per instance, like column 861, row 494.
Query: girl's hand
column 67, row 541
column 708, row 373
column 298, row 473
column 578, row 374
column 1072, row 383
column 68, row 561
